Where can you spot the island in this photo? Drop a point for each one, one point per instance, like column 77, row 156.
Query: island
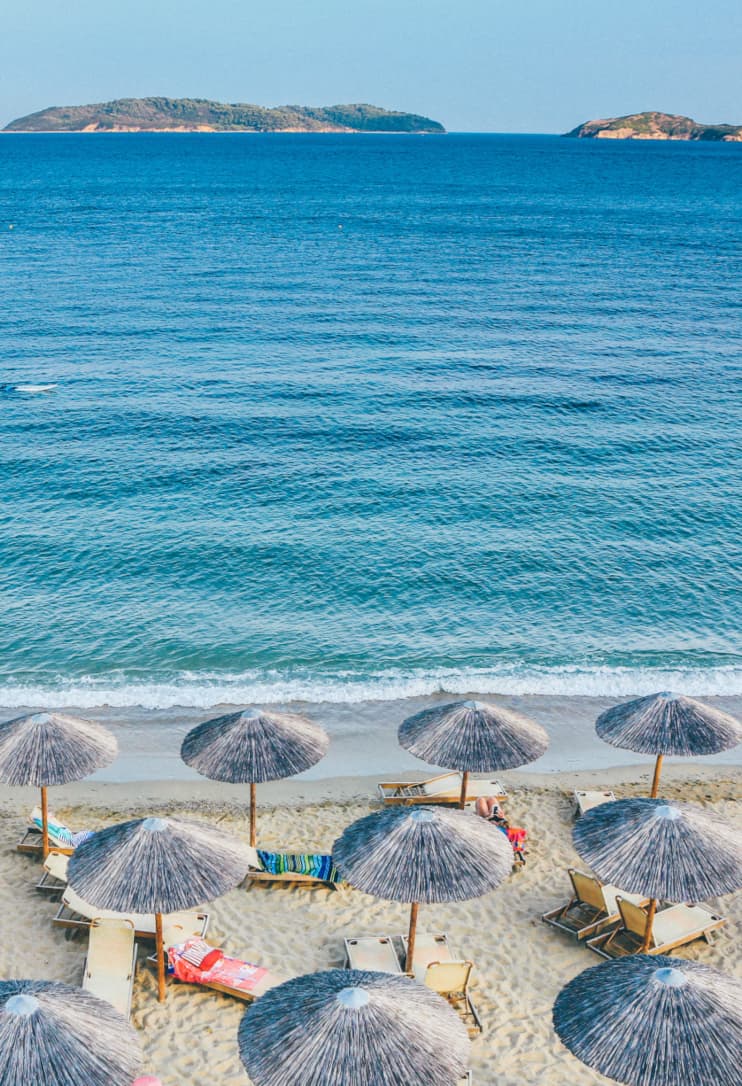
column 202, row 115
column 656, row 126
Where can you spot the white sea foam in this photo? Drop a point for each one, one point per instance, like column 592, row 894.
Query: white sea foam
column 202, row 691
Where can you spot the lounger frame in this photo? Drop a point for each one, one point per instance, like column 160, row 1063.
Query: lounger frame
column 408, row 793
column 458, row 997
column 29, row 844
column 74, row 923
column 580, row 918
column 621, row 941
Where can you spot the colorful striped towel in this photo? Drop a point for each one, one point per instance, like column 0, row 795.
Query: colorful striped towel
column 299, row 863
column 59, row 834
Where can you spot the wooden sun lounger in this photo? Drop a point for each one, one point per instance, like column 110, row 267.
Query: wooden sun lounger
column 372, row 952
column 429, row 947
column 450, row 979
column 585, row 801
column 76, row 915
column 257, row 873
column 672, row 927
column 111, row 962
column 54, row 878
column 591, row 909
column 445, row 788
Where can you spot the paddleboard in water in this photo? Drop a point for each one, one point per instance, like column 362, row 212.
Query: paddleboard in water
column 34, row 388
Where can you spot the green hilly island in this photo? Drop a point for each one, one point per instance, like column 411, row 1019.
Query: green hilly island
column 656, row 126
column 202, row 115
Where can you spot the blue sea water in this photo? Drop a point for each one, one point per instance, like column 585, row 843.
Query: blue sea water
column 342, row 417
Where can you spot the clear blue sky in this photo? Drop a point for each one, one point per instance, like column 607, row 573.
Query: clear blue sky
column 477, row 65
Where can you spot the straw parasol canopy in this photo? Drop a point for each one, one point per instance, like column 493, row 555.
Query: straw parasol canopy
column 253, row 746
column 423, row 854
column 56, row 1035
column 156, row 865
column 351, row 1026
column 668, row 724
column 662, row 850
column 654, row 1021
column 473, row 737
column 45, row 749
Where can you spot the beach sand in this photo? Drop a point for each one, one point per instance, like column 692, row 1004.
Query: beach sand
column 520, row 964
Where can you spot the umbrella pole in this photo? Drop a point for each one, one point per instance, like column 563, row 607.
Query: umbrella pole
column 464, row 783
column 650, row 921
column 656, row 778
column 160, row 958
column 253, row 827
column 411, row 937
column 44, row 823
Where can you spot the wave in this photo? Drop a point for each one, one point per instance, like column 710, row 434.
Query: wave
column 205, row 690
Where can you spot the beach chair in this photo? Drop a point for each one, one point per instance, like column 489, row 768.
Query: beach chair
column 61, row 837
column 429, row 947
column 591, row 909
column 194, row 961
column 111, row 962
column 585, row 801
column 451, row 980
column 445, row 788
column 308, row 869
column 672, row 927
column 75, row 915
column 54, row 877
column 372, row 952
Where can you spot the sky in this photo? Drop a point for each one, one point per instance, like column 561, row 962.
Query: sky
column 474, row 65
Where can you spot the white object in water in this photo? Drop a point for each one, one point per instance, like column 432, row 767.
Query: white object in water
column 34, row 388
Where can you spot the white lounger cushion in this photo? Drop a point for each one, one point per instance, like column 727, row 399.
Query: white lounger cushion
column 190, row 921
column 110, row 963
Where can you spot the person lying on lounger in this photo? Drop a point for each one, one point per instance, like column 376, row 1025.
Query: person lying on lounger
column 488, row 807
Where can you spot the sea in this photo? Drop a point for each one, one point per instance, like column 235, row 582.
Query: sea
column 355, row 419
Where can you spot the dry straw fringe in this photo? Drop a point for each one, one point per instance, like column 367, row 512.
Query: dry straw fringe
column 473, row 737
column 676, row 852
column 622, row 1020
column 301, row 1034
column 423, row 854
column 45, row 749
column 72, row 1039
column 251, row 747
column 668, row 724
column 155, row 865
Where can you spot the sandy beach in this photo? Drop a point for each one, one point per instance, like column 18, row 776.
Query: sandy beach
column 520, row 964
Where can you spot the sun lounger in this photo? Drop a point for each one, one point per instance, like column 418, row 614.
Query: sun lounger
column 54, row 878
column 111, row 962
column 193, row 961
column 429, row 947
column 75, row 915
column 307, row 868
column 591, row 909
column 373, row 952
column 450, row 979
column 61, row 837
column 672, row 927
column 585, row 801
column 445, row 788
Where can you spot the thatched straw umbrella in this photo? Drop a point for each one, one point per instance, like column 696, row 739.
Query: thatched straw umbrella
column 422, row 854
column 351, row 1026
column 664, row 851
column 654, row 1021
column 668, row 724
column 45, row 749
column 473, row 737
column 253, row 746
column 156, row 865
column 55, row 1035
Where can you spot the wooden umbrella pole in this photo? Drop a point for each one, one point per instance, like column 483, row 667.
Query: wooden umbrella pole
column 648, row 930
column 411, row 937
column 464, row 784
column 44, row 823
column 160, row 958
column 253, row 819
column 656, row 778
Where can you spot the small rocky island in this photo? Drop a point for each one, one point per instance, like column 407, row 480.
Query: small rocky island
column 656, row 126
column 201, row 115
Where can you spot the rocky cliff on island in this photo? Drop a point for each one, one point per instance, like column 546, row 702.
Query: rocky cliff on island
column 656, row 126
column 201, row 115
